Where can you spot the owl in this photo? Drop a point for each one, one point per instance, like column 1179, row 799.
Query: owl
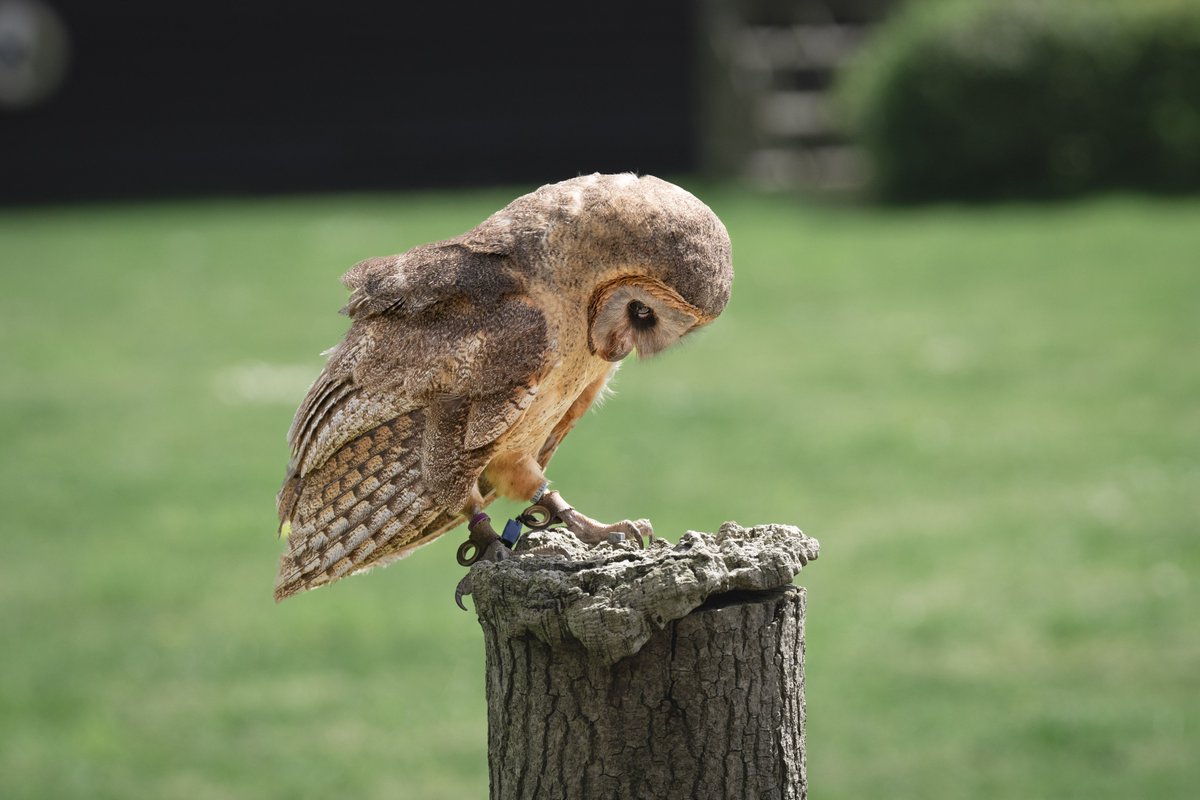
column 469, row 360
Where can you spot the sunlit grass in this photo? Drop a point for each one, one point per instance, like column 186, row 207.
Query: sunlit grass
column 988, row 416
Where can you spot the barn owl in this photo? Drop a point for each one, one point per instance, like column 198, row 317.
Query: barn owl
column 467, row 361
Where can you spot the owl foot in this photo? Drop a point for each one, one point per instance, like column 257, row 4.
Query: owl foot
column 588, row 530
column 482, row 545
column 496, row 551
column 482, row 542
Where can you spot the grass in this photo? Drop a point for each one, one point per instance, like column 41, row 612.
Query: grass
column 988, row 416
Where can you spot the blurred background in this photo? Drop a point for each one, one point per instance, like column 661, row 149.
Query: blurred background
column 963, row 351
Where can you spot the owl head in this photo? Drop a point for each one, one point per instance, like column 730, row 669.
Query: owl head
column 646, row 260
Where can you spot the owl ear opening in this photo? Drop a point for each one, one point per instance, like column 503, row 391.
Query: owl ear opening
column 614, row 345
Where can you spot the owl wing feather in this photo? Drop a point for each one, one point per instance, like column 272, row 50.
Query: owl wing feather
column 443, row 356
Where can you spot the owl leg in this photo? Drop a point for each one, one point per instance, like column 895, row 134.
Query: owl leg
column 589, row 530
column 482, row 541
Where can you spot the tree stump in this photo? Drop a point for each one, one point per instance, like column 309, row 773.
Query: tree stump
column 669, row 672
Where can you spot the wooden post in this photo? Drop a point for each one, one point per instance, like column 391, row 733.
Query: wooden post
column 670, row 672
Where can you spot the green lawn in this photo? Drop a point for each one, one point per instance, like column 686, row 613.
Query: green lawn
column 990, row 417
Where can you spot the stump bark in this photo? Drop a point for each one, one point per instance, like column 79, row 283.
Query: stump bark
column 670, row 672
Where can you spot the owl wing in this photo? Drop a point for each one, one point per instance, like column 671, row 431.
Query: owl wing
column 443, row 356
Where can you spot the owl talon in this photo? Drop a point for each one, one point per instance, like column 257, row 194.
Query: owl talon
column 496, row 551
column 592, row 532
column 640, row 530
column 462, row 590
column 588, row 530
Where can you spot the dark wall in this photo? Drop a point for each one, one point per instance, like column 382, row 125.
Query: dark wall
column 262, row 95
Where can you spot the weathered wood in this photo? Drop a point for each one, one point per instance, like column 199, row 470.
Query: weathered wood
column 670, row 672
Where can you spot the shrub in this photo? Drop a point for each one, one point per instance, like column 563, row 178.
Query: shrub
column 987, row 98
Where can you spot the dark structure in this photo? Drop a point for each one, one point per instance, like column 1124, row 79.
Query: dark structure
column 768, row 109
column 265, row 95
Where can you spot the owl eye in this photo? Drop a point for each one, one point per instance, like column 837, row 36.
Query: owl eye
column 641, row 316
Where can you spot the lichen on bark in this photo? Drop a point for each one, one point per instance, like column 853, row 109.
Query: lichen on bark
column 613, row 597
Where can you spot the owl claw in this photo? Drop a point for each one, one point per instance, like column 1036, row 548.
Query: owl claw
column 496, row 551
column 592, row 532
column 462, row 590
column 588, row 530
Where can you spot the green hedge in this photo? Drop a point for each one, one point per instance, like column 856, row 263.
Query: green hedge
column 995, row 98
